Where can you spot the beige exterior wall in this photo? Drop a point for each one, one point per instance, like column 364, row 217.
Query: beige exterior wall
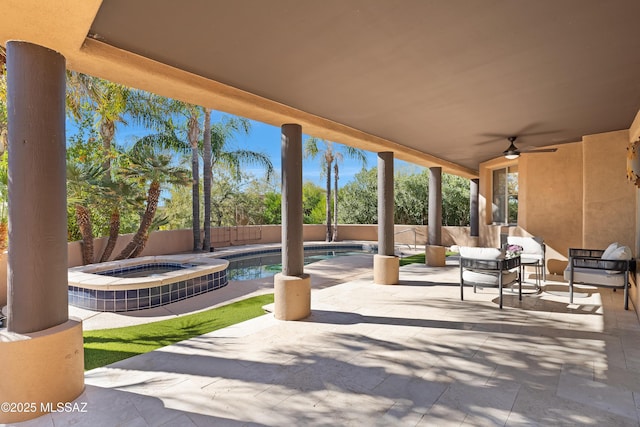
column 177, row 241
column 609, row 199
column 550, row 198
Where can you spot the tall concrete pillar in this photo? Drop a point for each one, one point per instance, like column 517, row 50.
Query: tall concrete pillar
column 37, row 262
column 474, row 213
column 292, row 286
column 386, row 266
column 435, row 206
column 435, row 255
column 41, row 353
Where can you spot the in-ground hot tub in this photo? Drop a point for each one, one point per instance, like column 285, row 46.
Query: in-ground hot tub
column 147, row 282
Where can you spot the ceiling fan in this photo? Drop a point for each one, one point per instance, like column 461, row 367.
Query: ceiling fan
column 513, row 152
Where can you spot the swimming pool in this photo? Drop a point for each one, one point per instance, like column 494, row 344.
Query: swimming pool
column 154, row 281
column 260, row 265
column 146, row 282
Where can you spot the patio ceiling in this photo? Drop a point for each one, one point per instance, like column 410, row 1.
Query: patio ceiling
column 438, row 82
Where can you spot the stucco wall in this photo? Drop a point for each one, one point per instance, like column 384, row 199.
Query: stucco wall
column 176, row 241
column 551, row 198
column 609, row 199
column 575, row 197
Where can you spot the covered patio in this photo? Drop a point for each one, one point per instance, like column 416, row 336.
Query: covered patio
column 440, row 84
column 410, row 354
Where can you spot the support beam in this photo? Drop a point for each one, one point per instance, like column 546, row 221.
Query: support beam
column 386, row 245
column 37, row 262
column 474, row 213
column 292, row 286
column 386, row 266
column 435, row 255
column 435, row 206
column 41, row 350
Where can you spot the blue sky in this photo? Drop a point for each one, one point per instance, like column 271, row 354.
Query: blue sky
column 266, row 139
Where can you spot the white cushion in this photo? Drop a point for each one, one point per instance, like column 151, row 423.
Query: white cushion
column 594, row 276
column 489, row 278
column 620, row 253
column 480, row 253
column 530, row 246
column 607, row 252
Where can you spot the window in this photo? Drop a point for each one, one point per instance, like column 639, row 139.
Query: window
column 505, row 196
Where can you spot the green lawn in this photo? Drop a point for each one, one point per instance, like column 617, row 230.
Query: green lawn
column 419, row 258
column 105, row 346
column 413, row 259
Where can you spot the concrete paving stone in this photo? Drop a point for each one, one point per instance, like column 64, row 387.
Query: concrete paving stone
column 411, row 394
column 617, row 376
column 598, row 395
column 373, row 355
column 539, row 407
column 483, row 401
column 353, row 409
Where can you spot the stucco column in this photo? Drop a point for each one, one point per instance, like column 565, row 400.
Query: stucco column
column 292, row 286
column 37, row 262
column 435, row 252
column 41, row 352
column 435, row 206
column 386, row 266
column 474, row 207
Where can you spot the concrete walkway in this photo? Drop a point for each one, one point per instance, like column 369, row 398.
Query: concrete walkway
column 404, row 355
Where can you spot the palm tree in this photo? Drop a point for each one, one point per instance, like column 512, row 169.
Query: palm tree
column 116, row 193
column 218, row 155
column 330, row 156
column 154, row 167
column 83, row 183
column 206, row 171
column 112, row 103
column 353, row 153
column 192, row 115
column 327, row 156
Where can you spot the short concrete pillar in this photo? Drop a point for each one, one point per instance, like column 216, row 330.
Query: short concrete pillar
column 435, row 256
column 386, row 270
column 292, row 296
column 292, row 286
column 41, row 369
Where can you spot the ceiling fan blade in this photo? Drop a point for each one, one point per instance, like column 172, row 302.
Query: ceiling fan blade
column 541, row 150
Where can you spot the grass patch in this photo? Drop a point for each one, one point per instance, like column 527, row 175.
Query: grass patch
column 105, row 346
column 419, row 258
column 413, row 259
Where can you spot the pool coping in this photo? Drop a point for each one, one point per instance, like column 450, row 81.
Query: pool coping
column 86, row 276
column 231, row 252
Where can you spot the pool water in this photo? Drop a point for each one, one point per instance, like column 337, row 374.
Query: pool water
column 144, row 270
column 267, row 265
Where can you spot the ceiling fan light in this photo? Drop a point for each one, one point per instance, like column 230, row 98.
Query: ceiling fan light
column 512, row 152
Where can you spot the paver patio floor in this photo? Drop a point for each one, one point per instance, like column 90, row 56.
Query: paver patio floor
column 403, row 355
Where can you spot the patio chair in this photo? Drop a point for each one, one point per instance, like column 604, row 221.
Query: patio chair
column 533, row 248
column 488, row 267
column 602, row 268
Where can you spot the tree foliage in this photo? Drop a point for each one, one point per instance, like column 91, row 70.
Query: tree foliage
column 411, row 198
